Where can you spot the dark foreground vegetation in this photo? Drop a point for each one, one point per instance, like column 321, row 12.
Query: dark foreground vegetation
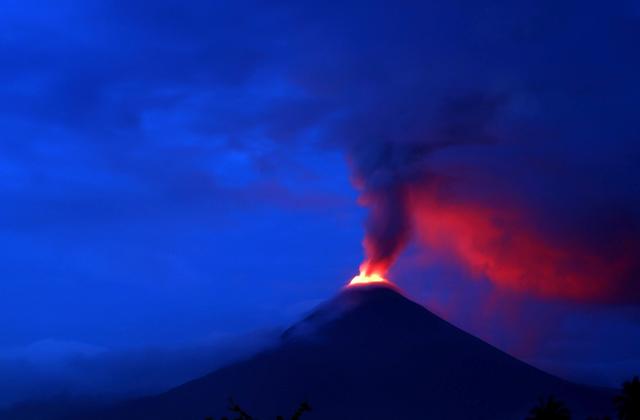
column 627, row 405
column 240, row 414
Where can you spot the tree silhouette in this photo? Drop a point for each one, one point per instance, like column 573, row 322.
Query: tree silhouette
column 304, row 407
column 628, row 402
column 549, row 409
column 242, row 415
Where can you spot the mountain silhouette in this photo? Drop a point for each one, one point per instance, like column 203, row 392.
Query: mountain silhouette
column 371, row 353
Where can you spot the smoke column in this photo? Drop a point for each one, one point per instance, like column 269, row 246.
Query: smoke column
column 490, row 235
column 503, row 143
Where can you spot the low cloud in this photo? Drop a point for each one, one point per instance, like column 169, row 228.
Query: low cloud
column 51, row 369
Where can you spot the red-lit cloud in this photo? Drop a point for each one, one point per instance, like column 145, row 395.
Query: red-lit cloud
column 590, row 255
column 503, row 245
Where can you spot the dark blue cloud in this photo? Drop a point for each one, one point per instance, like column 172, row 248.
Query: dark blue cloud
column 175, row 168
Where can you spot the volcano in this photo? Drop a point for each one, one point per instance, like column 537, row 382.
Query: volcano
column 371, row 353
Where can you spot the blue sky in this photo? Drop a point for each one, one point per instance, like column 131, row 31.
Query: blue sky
column 176, row 174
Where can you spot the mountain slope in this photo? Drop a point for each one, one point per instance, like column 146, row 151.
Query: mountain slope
column 371, row 353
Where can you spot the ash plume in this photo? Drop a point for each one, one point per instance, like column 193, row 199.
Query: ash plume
column 508, row 150
column 388, row 173
column 478, row 211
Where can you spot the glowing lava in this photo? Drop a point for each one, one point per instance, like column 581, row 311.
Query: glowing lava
column 367, row 278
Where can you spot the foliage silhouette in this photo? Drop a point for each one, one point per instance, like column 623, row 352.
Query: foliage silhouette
column 628, row 402
column 243, row 415
column 549, row 409
column 304, row 407
column 235, row 408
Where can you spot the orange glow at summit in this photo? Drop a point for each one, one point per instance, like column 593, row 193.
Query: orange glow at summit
column 365, row 278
